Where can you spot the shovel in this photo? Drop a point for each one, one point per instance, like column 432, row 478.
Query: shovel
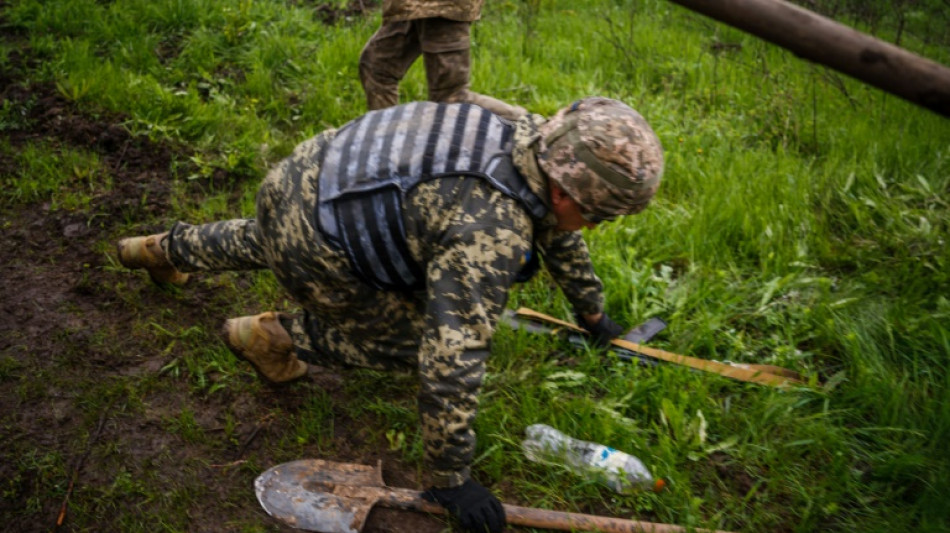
column 630, row 349
column 331, row 497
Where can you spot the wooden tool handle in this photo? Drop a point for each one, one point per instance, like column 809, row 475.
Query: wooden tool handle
column 527, row 516
column 761, row 374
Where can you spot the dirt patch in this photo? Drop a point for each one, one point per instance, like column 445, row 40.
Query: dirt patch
column 83, row 394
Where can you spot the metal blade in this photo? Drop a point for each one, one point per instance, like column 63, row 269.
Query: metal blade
column 316, row 495
column 646, row 331
column 640, row 334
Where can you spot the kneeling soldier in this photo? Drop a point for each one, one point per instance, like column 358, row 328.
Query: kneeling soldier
column 400, row 235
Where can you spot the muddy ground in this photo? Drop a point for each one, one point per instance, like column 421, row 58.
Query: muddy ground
column 89, row 409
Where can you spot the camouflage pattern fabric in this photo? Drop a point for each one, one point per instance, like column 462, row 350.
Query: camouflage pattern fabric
column 464, row 11
column 604, row 155
column 566, row 256
column 471, row 240
column 444, row 44
column 387, row 56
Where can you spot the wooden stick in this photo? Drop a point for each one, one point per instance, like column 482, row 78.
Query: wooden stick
column 398, row 498
column 824, row 41
column 79, row 463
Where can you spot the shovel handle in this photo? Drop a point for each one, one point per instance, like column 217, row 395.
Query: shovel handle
column 762, row 374
column 528, row 516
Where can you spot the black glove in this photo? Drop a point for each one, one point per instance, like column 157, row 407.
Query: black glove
column 603, row 331
column 476, row 509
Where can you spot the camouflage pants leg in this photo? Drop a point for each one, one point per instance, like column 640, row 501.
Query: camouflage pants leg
column 446, row 50
column 218, row 246
column 384, row 61
column 445, row 46
column 382, row 345
column 390, row 52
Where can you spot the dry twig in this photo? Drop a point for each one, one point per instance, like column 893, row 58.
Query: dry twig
column 79, row 463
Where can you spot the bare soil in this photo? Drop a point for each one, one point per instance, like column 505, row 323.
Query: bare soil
column 83, row 397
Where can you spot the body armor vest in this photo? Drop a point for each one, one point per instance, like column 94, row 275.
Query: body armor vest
column 376, row 159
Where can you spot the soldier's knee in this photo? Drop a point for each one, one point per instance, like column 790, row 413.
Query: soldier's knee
column 366, row 70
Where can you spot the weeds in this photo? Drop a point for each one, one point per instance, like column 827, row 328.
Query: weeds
column 185, row 426
column 314, row 424
column 68, row 177
column 802, row 222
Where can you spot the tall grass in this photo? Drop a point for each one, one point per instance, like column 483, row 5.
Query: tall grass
column 802, row 221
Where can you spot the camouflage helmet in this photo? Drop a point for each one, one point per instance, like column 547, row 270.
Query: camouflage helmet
column 604, row 155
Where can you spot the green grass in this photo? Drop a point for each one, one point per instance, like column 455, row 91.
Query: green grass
column 802, row 222
column 40, row 172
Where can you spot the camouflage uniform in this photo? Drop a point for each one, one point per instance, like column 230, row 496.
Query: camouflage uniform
column 461, row 11
column 437, row 30
column 469, row 238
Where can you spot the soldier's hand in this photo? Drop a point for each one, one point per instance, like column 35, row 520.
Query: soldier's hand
column 601, row 331
column 476, row 509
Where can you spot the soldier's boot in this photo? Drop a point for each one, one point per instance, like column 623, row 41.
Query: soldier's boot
column 264, row 343
column 146, row 252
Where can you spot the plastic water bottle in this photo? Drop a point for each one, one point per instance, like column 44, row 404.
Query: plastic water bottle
column 620, row 471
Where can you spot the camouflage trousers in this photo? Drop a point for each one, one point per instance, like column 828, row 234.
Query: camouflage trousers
column 445, row 47
column 344, row 320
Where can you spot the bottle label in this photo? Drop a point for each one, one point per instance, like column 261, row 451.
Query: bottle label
column 609, row 459
column 617, row 460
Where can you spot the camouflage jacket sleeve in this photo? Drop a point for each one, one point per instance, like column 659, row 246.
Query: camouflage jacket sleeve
column 567, row 259
column 463, row 11
column 472, row 247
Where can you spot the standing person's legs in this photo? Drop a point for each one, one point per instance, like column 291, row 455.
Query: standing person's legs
column 446, row 50
column 384, row 61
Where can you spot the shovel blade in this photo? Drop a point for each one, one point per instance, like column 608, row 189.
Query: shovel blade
column 646, row 331
column 317, row 495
